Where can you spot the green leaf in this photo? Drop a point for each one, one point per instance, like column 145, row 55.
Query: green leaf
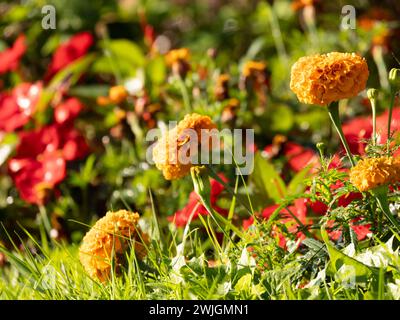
column 297, row 184
column 73, row 71
column 314, row 245
column 360, row 271
column 244, row 283
column 281, row 118
column 7, row 146
column 156, row 70
column 90, row 91
column 121, row 57
column 267, row 179
column 126, row 50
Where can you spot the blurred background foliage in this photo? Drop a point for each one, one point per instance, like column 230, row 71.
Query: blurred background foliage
column 221, row 36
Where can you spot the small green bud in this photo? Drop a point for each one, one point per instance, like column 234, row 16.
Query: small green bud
column 372, row 94
column 394, row 77
column 320, row 146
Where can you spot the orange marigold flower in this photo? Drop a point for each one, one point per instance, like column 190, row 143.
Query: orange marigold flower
column 252, row 67
column 370, row 173
column 107, row 240
column 322, row 79
column 168, row 150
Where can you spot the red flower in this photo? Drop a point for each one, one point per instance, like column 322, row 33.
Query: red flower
column 361, row 230
column 248, row 222
column 68, row 110
column 297, row 156
column 9, row 58
column 317, row 206
column 76, row 47
column 343, row 201
column 17, row 107
column 181, row 217
column 382, row 121
column 73, row 144
column 35, row 177
column 39, row 164
column 355, row 131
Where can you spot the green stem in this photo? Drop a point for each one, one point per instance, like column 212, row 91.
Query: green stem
column 377, row 55
column 277, row 35
column 380, row 195
column 391, row 105
column 373, row 106
column 333, row 110
column 185, row 94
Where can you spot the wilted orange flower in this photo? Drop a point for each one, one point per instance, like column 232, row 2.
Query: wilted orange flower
column 177, row 55
column 222, row 87
column 167, row 151
column 108, row 239
column 322, row 79
column 252, row 67
column 230, row 110
column 178, row 59
column 370, row 173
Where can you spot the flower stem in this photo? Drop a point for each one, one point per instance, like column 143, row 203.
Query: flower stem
column 380, row 195
column 333, row 110
column 392, row 98
column 184, row 93
column 373, row 106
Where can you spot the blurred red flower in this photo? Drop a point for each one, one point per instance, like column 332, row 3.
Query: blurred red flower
column 298, row 157
column 34, row 178
column 40, row 160
column 67, row 110
column 17, row 107
column 9, row 58
column 194, row 206
column 355, row 131
column 382, row 121
column 76, row 47
column 360, row 128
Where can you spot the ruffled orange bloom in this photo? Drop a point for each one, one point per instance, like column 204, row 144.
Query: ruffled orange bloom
column 322, row 79
column 168, row 152
column 373, row 172
column 108, row 239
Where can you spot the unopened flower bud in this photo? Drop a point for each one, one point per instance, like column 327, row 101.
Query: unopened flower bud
column 394, row 77
column 372, row 94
